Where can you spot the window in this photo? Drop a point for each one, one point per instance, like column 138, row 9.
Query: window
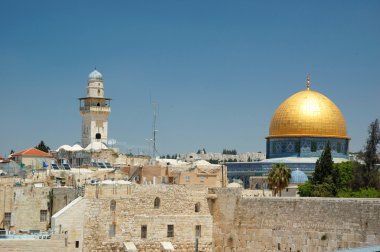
column 313, row 146
column 202, row 179
column 111, row 231
column 157, row 202
column 113, row 205
column 77, row 244
column 197, row 207
column 170, row 230
column 198, row 231
column 187, row 178
column 144, row 231
column 43, row 215
column 98, row 136
column 7, row 219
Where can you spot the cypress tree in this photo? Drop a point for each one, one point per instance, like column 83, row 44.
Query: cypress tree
column 370, row 157
column 323, row 166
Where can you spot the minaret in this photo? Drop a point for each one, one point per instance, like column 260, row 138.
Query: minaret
column 94, row 109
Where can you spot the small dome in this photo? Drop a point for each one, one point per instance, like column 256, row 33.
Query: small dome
column 298, row 177
column 95, row 75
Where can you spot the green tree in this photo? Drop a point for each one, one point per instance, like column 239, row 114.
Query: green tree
column 325, row 178
column 229, row 152
column 42, row 147
column 278, row 178
column 323, row 166
column 370, row 157
column 345, row 171
column 306, row 190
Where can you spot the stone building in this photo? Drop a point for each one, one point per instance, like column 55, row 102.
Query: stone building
column 27, row 206
column 171, row 171
column 149, row 216
column 32, row 157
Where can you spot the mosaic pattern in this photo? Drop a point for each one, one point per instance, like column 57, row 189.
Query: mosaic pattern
column 308, row 113
column 306, row 147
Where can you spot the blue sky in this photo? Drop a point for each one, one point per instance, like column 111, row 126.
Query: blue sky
column 217, row 69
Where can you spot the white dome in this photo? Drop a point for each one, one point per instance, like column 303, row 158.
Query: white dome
column 96, row 146
column 65, row 147
column 95, row 75
column 76, row 147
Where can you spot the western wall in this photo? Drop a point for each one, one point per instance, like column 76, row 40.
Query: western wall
column 292, row 224
column 230, row 220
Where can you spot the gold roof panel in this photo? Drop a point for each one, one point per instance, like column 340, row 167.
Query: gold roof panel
column 308, row 113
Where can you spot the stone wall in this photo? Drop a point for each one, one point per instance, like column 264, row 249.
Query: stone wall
column 134, row 207
column 62, row 196
column 292, row 224
column 24, row 203
column 32, row 245
column 69, row 222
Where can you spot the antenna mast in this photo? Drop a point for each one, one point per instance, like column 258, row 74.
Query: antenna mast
column 154, row 151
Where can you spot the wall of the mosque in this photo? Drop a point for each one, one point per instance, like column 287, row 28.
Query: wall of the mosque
column 292, row 224
column 305, row 147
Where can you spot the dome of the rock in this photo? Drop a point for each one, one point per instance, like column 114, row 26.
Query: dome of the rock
column 308, row 113
column 303, row 124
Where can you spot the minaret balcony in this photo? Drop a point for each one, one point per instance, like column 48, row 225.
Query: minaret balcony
column 95, row 109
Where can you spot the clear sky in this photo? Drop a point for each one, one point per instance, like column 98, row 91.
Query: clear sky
column 217, row 69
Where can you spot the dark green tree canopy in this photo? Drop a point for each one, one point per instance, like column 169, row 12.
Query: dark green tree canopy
column 370, row 157
column 323, row 166
column 229, row 152
column 42, row 147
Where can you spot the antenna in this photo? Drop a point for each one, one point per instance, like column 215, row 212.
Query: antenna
column 155, row 106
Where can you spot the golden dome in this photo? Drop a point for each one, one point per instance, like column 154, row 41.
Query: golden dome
column 308, row 113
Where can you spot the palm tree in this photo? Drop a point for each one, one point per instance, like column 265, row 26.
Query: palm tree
column 278, row 178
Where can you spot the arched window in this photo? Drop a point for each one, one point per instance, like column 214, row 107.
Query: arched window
column 157, row 202
column 197, row 207
column 113, row 205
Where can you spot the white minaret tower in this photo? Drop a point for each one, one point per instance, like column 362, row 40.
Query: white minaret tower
column 94, row 109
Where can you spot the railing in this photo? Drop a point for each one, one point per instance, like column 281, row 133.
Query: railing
column 95, row 108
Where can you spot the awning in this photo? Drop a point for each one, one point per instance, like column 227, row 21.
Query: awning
column 167, row 246
column 129, row 246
